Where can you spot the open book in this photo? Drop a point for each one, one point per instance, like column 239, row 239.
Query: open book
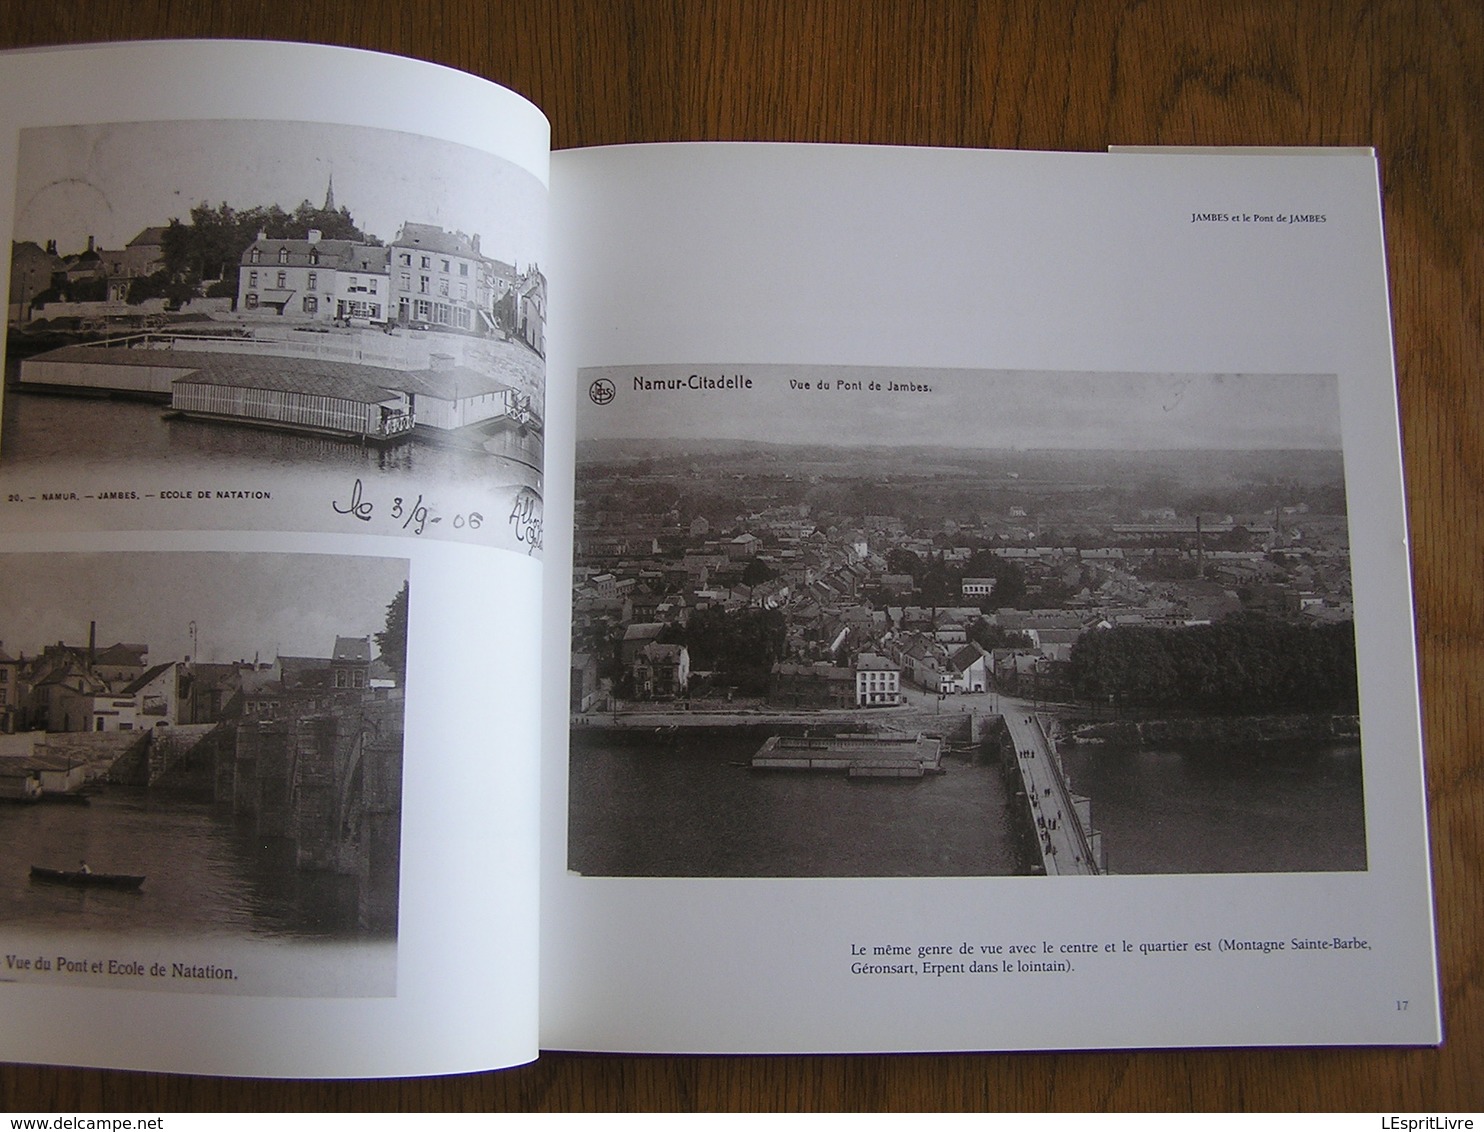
column 461, row 599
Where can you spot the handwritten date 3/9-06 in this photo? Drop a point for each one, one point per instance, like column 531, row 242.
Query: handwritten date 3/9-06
column 418, row 516
column 414, row 516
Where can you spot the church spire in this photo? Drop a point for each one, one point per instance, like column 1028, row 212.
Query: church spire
column 330, row 195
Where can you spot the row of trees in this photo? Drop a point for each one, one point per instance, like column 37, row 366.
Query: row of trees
column 1245, row 664
column 204, row 256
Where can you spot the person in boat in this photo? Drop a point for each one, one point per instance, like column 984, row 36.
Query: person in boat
column 82, row 867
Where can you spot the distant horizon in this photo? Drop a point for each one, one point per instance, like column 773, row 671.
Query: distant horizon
column 242, row 605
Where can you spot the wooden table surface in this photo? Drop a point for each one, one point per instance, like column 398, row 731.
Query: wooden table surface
column 1405, row 76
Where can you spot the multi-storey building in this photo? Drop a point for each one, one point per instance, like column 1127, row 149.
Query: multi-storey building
column 141, row 256
column 363, row 286
column 351, row 662
column 31, row 272
column 12, row 699
column 532, row 310
column 439, row 279
column 661, row 671
column 877, row 681
column 310, row 280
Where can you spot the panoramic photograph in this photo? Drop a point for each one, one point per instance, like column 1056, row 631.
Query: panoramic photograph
column 285, row 296
column 859, row 621
column 202, row 746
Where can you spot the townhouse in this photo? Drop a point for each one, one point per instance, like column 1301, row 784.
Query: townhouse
column 440, row 279
column 300, row 281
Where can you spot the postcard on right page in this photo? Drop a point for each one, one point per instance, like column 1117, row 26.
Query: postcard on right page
column 989, row 611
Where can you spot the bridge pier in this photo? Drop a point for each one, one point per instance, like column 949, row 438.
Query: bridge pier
column 329, row 786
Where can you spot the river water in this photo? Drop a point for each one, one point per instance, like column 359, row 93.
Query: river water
column 41, row 428
column 689, row 806
column 1296, row 807
column 52, row 443
column 204, row 875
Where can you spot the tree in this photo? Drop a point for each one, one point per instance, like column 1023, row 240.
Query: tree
column 392, row 641
column 331, row 224
column 207, row 250
column 161, row 285
column 1238, row 539
column 739, row 646
column 757, row 571
column 937, row 584
column 1009, row 590
column 1244, row 664
column 901, row 561
column 990, row 637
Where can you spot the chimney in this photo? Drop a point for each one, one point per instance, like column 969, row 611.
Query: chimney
column 440, row 363
column 314, row 235
column 92, row 643
column 90, row 243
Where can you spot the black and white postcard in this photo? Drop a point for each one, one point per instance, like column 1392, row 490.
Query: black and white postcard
column 200, row 752
column 208, row 316
column 887, row 622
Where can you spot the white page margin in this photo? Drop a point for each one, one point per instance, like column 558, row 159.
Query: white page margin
column 466, row 991
column 1016, row 261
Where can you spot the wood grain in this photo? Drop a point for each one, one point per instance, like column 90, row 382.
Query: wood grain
column 1404, row 76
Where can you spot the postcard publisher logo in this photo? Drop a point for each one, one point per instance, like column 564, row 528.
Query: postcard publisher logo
column 601, row 391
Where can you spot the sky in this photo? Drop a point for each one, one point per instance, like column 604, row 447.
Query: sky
column 244, row 606
column 112, row 180
column 982, row 409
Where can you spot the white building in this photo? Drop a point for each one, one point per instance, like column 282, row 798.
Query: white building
column 440, row 280
column 878, row 682
column 301, row 280
column 363, row 286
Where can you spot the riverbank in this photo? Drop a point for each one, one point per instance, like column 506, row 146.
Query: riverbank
column 1218, row 730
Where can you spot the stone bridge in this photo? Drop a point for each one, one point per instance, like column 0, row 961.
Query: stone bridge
column 172, row 757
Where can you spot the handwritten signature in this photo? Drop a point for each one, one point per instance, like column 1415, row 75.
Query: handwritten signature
column 525, row 517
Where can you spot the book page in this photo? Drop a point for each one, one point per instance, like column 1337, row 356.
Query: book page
column 272, row 465
column 989, row 612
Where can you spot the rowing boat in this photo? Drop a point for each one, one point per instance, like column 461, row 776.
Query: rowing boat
column 85, row 880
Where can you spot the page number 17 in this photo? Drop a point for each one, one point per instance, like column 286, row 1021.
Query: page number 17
column 1401, row 1003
